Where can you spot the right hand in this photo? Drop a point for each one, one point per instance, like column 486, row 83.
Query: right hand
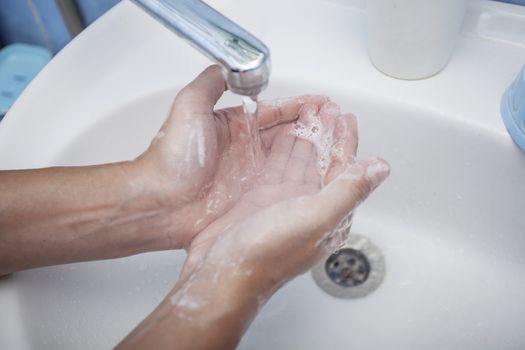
column 279, row 228
column 271, row 232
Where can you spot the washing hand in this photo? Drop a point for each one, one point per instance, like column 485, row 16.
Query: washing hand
column 200, row 164
column 262, row 228
column 195, row 171
column 247, row 229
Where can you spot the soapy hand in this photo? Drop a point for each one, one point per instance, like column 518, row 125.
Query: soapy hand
column 200, row 163
column 280, row 227
column 247, row 230
column 292, row 167
column 253, row 229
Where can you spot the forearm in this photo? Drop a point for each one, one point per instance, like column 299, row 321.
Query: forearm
column 210, row 310
column 60, row 215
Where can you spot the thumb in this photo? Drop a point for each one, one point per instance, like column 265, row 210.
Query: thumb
column 349, row 189
column 201, row 95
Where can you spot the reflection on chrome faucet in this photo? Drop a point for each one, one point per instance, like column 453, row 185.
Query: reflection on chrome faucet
column 245, row 59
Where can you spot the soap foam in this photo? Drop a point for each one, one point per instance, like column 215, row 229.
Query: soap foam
column 320, row 136
column 196, row 142
column 201, row 145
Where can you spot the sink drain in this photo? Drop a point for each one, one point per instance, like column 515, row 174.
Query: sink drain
column 347, row 267
column 353, row 271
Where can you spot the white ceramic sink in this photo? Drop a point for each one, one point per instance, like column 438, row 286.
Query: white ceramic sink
column 449, row 221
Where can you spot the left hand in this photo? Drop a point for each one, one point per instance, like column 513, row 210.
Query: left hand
column 250, row 232
column 290, row 170
column 200, row 164
column 273, row 232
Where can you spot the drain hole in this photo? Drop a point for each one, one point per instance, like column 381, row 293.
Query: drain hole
column 347, row 267
column 354, row 271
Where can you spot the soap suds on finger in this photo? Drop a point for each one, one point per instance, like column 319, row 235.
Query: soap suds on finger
column 320, row 136
column 196, row 144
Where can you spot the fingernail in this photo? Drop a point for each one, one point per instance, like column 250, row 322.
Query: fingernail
column 377, row 172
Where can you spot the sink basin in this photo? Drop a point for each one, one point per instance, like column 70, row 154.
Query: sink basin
column 449, row 221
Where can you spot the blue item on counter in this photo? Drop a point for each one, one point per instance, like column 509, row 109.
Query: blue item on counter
column 513, row 109
column 19, row 64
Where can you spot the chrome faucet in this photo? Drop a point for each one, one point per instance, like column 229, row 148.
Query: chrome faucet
column 245, row 60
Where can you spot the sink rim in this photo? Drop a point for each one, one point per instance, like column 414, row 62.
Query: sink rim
column 131, row 24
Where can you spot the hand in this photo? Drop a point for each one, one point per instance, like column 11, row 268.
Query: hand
column 200, row 164
column 265, row 227
column 275, row 230
column 281, row 226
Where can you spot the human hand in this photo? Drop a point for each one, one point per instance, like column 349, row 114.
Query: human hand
column 277, row 230
column 200, row 164
column 282, row 225
column 277, row 223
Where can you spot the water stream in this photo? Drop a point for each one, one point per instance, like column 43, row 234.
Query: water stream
column 252, row 126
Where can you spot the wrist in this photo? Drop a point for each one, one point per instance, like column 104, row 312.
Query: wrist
column 138, row 210
column 177, row 195
column 216, row 300
column 214, row 305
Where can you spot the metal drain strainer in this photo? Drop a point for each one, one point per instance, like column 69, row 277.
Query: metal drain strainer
column 353, row 271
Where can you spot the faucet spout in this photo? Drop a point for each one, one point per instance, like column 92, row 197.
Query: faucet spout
column 245, row 60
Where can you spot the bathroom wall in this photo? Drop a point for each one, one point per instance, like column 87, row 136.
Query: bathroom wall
column 40, row 22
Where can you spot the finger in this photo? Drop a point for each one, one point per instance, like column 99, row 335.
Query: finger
column 275, row 112
column 329, row 113
column 312, row 174
column 298, row 161
column 345, row 193
column 201, row 95
column 347, row 137
column 345, row 145
column 329, row 109
column 302, row 150
column 354, row 185
column 268, row 136
column 300, row 225
column 279, row 155
column 320, row 161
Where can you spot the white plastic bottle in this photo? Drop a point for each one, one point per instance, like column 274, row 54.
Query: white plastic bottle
column 413, row 39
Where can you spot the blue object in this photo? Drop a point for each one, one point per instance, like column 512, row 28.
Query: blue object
column 93, row 9
column 35, row 22
column 513, row 109
column 19, row 64
column 517, row 2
